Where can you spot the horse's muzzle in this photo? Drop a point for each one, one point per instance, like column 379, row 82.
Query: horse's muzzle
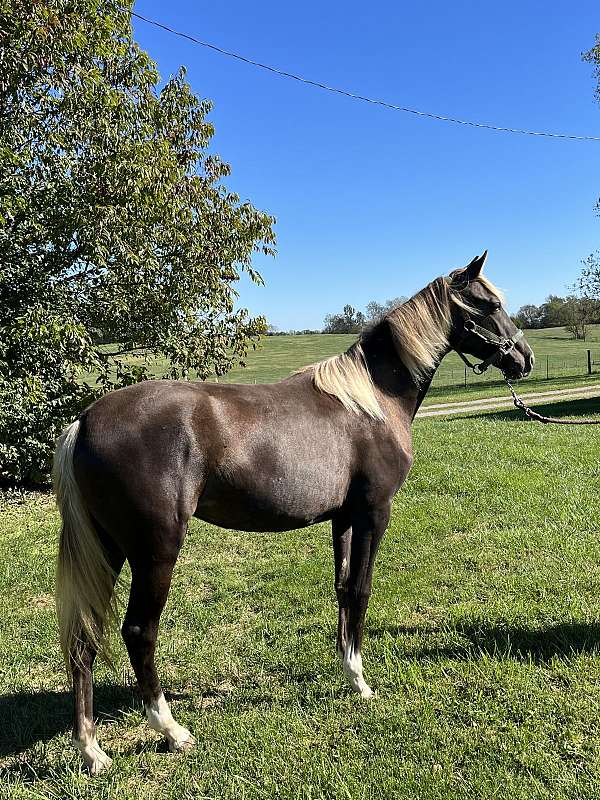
column 517, row 364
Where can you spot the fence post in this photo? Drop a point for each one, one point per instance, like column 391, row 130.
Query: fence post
column 465, row 376
column 589, row 352
column 547, row 368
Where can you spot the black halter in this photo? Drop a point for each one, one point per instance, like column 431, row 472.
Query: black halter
column 503, row 345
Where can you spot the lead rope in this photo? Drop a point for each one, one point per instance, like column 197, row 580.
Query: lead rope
column 531, row 414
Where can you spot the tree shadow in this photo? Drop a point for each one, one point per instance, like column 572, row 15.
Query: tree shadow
column 584, row 407
column 520, row 643
column 32, row 717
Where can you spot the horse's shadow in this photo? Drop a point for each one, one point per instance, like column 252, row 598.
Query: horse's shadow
column 32, row 717
column 520, row 643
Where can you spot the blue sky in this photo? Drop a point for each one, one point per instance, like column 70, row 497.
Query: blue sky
column 372, row 203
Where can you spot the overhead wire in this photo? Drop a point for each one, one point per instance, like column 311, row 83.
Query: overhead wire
column 353, row 95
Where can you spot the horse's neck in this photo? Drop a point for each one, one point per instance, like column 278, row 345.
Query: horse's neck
column 423, row 389
column 391, row 376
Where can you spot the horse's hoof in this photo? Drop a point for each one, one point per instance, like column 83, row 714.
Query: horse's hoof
column 96, row 761
column 363, row 689
column 184, row 741
column 94, row 757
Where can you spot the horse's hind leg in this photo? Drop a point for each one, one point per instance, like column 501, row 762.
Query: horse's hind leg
column 353, row 584
column 150, row 584
column 84, row 728
column 82, row 665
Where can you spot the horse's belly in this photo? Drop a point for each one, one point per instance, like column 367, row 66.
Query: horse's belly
column 277, row 503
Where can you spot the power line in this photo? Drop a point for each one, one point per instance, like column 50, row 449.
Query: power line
column 353, row 96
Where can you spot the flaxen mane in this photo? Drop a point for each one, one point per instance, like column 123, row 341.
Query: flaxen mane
column 420, row 329
column 347, row 378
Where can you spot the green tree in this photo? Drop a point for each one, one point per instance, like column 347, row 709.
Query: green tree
column 589, row 281
column 349, row 321
column 115, row 224
column 578, row 313
column 375, row 310
column 529, row 316
column 554, row 311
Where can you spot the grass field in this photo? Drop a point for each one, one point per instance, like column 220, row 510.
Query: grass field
column 483, row 641
column 277, row 356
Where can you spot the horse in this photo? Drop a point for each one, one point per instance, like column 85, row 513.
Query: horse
column 330, row 442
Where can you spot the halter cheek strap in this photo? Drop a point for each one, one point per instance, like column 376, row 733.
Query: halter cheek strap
column 503, row 345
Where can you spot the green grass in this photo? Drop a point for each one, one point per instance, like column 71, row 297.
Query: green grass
column 482, row 641
column 277, row 356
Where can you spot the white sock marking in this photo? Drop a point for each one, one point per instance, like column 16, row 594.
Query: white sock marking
column 93, row 755
column 353, row 670
column 160, row 719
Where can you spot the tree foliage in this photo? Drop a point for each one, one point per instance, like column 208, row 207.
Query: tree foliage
column 115, row 223
column 573, row 313
column 375, row 311
column 349, row 321
column 529, row 316
column 579, row 313
column 352, row 321
column 589, row 282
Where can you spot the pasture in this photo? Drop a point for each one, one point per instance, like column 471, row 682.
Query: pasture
column 277, row 356
column 122, row 223
column 482, row 639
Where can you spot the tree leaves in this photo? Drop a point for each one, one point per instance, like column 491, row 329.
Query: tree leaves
column 115, row 223
column 353, row 321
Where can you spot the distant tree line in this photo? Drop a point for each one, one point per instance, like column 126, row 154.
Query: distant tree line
column 273, row 330
column 348, row 320
column 351, row 320
column 572, row 313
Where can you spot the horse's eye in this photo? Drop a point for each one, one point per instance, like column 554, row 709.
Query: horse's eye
column 496, row 307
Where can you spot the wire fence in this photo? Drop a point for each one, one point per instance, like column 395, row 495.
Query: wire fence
column 453, row 372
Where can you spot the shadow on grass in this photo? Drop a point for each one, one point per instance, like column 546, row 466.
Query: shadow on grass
column 31, row 717
column 585, row 407
column 537, row 645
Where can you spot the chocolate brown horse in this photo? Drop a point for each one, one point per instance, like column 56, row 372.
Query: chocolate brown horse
column 332, row 442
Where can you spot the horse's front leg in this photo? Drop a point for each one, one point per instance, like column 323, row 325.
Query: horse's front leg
column 355, row 549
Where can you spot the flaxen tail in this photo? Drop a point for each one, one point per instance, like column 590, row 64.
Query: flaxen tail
column 85, row 598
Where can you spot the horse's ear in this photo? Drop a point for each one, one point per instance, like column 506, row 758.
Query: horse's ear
column 473, row 270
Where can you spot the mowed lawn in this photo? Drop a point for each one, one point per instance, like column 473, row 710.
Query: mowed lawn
column 276, row 357
column 483, row 643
